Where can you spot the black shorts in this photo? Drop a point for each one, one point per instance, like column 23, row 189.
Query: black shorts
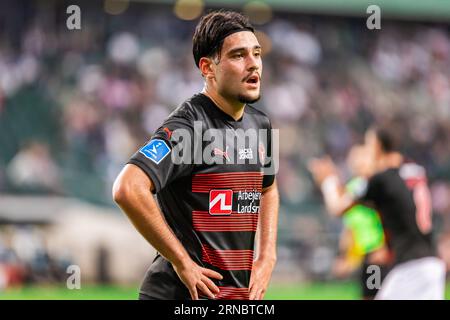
column 143, row 296
column 162, row 283
column 369, row 293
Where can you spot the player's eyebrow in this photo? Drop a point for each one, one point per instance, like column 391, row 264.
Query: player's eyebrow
column 236, row 50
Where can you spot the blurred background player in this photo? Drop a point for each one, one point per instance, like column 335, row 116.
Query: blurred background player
column 397, row 190
column 362, row 240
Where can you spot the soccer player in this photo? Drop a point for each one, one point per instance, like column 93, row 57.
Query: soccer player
column 363, row 229
column 204, row 228
column 399, row 192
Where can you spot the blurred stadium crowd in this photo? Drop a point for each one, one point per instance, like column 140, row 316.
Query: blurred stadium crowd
column 25, row 258
column 75, row 105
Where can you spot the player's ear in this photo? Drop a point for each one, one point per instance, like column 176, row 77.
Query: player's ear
column 206, row 67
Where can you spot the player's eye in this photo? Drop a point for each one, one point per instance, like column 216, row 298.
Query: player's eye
column 238, row 55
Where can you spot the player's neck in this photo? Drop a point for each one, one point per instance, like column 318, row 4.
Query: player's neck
column 390, row 160
column 234, row 110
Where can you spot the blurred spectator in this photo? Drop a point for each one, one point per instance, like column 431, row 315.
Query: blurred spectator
column 33, row 168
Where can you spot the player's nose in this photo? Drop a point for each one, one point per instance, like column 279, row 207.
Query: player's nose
column 253, row 63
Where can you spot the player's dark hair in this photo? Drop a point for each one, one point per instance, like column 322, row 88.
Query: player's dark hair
column 212, row 30
column 388, row 139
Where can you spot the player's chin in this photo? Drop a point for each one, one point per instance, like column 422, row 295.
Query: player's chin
column 250, row 97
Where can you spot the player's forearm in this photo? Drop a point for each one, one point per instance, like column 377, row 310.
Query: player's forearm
column 137, row 202
column 268, row 224
column 336, row 199
column 149, row 222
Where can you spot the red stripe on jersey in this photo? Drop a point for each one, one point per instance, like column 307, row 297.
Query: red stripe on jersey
column 231, row 293
column 227, row 174
column 237, row 181
column 228, row 259
column 203, row 221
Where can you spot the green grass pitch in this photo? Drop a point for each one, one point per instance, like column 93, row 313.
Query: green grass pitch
column 313, row 291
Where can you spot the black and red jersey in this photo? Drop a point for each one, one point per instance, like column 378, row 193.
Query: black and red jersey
column 212, row 208
column 402, row 198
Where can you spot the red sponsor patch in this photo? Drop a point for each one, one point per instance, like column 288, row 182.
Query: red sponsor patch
column 220, row 202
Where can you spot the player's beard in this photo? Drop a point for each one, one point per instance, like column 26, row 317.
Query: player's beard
column 246, row 99
column 242, row 98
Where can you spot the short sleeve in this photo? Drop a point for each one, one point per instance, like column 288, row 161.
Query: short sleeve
column 162, row 158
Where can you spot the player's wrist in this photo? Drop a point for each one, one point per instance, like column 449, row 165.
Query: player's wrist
column 329, row 184
column 267, row 258
column 182, row 261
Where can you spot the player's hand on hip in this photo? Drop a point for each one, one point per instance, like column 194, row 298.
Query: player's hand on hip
column 260, row 277
column 197, row 278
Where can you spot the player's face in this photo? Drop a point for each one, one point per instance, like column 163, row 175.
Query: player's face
column 359, row 162
column 238, row 73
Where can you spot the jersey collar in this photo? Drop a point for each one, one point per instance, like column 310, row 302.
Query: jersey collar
column 215, row 111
